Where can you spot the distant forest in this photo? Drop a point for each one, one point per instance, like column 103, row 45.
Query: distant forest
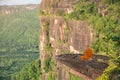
column 19, row 39
column 19, row 28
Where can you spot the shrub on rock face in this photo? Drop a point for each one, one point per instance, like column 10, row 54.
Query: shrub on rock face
column 47, row 63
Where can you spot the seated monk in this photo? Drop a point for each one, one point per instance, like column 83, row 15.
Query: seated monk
column 87, row 53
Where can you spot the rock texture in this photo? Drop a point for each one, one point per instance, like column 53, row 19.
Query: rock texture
column 87, row 69
column 61, row 36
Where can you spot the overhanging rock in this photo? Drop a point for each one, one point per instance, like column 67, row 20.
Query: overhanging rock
column 87, row 69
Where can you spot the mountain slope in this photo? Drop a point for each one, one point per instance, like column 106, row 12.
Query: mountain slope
column 19, row 27
column 19, row 34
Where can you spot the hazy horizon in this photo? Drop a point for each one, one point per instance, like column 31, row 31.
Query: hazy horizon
column 18, row 2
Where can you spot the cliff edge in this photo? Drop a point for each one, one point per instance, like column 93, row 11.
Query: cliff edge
column 60, row 35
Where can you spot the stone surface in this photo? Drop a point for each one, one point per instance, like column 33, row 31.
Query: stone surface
column 90, row 69
column 64, row 36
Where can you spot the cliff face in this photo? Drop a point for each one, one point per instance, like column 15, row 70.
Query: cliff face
column 60, row 36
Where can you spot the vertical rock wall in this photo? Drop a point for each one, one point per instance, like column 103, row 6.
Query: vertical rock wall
column 60, row 36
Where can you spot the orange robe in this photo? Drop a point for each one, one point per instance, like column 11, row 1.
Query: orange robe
column 87, row 54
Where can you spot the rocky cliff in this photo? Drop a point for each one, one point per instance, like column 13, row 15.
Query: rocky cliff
column 59, row 35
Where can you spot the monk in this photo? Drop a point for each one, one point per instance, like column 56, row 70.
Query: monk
column 88, row 53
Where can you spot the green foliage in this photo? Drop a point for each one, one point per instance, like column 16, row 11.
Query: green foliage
column 82, row 10
column 60, row 12
column 41, row 12
column 19, row 30
column 48, row 49
column 51, row 76
column 19, row 33
column 111, row 1
column 47, row 64
column 111, row 73
column 73, row 77
column 30, row 72
column 47, row 24
column 106, row 30
column 67, row 31
column 12, row 62
column 46, row 28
